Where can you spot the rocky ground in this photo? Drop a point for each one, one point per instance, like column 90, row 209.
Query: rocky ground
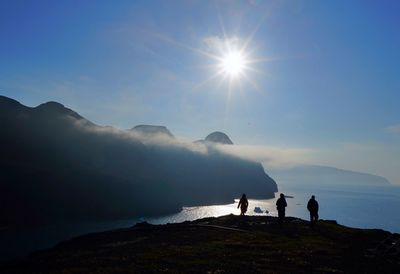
column 228, row 244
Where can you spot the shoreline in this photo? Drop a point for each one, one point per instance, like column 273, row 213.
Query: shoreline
column 22, row 242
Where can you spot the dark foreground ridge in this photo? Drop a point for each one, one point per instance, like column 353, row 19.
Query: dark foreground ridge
column 228, row 244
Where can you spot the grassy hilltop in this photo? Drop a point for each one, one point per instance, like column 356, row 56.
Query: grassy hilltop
column 228, row 244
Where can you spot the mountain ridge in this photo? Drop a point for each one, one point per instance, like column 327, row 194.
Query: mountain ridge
column 218, row 137
column 152, row 130
column 57, row 166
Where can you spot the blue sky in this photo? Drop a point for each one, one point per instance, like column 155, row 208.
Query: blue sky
column 328, row 81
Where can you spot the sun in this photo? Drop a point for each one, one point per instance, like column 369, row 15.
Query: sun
column 233, row 63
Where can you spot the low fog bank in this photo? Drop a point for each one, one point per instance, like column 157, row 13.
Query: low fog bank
column 56, row 166
column 289, row 166
column 292, row 167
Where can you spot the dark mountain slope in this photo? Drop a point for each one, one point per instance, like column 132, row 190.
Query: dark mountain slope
column 57, row 166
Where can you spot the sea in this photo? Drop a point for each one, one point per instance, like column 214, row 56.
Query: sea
column 361, row 207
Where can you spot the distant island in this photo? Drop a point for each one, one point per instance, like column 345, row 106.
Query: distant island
column 57, row 166
column 228, row 244
column 325, row 176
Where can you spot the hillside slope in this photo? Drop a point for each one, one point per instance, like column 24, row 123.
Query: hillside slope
column 228, row 244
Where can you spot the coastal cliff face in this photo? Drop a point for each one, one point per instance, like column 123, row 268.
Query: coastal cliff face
column 228, row 244
column 55, row 165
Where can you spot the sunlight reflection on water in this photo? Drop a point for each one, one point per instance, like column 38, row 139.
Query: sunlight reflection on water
column 359, row 207
column 356, row 207
column 198, row 212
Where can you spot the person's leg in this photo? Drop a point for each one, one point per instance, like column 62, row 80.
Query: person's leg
column 281, row 216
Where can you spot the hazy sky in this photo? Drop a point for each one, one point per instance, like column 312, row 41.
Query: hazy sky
column 326, row 84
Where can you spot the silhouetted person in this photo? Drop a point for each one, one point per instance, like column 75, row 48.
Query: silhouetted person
column 243, row 204
column 281, row 206
column 313, row 207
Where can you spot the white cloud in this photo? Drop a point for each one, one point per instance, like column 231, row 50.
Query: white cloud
column 217, row 43
column 270, row 156
column 155, row 139
column 393, row 128
column 252, row 2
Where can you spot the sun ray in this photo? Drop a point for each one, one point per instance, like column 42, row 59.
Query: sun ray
column 222, row 80
column 261, row 72
column 222, row 26
column 249, row 80
column 195, row 50
column 214, row 76
column 233, row 59
column 228, row 102
column 254, row 32
column 268, row 59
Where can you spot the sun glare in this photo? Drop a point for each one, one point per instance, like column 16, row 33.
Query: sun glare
column 233, row 63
